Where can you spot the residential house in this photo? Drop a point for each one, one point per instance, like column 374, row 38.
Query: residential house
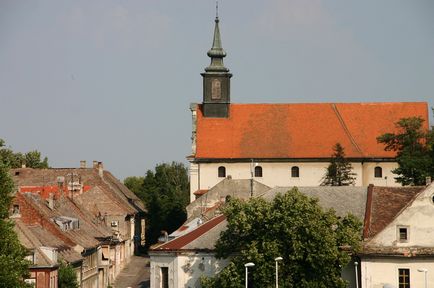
column 286, row 144
column 182, row 261
column 398, row 248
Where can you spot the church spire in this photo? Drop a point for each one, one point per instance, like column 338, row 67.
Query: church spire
column 216, row 53
column 216, row 79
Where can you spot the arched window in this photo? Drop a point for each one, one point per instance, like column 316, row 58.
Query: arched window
column 222, row 172
column 258, row 171
column 378, row 172
column 295, row 172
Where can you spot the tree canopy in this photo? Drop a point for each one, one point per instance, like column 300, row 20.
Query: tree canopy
column 67, row 276
column 339, row 172
column 135, row 184
column 292, row 226
column 165, row 193
column 414, row 150
column 13, row 266
column 31, row 159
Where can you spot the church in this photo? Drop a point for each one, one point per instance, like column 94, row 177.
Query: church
column 288, row 144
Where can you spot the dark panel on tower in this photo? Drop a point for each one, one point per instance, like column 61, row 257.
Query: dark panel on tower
column 216, row 81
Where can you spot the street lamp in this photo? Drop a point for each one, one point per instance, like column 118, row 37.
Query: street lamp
column 357, row 275
column 277, row 270
column 425, row 271
column 247, row 265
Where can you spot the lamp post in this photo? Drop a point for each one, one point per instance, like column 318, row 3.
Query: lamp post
column 425, row 271
column 247, row 265
column 356, row 264
column 277, row 259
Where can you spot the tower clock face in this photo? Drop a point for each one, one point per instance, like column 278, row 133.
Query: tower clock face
column 216, row 90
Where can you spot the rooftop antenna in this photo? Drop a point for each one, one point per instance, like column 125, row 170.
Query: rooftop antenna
column 217, row 9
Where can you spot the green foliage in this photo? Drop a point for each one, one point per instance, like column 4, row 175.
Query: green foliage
column 67, row 276
column 135, row 184
column 292, row 226
column 414, row 147
column 166, row 194
column 13, row 159
column 13, row 266
column 339, row 172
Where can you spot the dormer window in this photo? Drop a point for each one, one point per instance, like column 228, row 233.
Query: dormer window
column 402, row 233
column 295, row 172
column 16, row 211
column 378, row 172
column 222, row 172
column 258, row 171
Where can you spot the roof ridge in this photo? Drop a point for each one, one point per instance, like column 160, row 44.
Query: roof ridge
column 346, row 130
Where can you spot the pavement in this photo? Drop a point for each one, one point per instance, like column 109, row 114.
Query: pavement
column 135, row 274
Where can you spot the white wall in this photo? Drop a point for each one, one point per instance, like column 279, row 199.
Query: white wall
column 377, row 272
column 205, row 176
column 185, row 269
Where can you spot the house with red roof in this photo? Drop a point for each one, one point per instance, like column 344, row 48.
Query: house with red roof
column 398, row 246
column 286, row 144
column 182, row 261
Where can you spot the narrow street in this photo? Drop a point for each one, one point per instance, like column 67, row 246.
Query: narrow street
column 135, row 274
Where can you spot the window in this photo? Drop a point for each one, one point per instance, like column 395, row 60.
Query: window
column 164, row 277
column 258, row 171
column 404, row 278
column 295, row 172
column 222, row 172
column 16, row 210
column 402, row 233
column 378, row 172
column 216, row 90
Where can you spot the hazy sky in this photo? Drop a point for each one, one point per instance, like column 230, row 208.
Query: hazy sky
column 112, row 80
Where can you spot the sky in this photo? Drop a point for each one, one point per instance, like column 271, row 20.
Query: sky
column 112, row 80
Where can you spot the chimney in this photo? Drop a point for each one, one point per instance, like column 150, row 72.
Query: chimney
column 95, row 164
column 100, row 169
column 428, row 180
column 60, row 182
column 83, row 164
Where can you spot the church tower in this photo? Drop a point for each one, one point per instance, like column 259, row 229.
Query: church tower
column 216, row 80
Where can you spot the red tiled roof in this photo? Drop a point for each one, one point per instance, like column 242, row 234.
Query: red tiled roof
column 180, row 242
column 301, row 130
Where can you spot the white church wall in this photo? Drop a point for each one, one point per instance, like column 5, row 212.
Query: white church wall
column 205, row 175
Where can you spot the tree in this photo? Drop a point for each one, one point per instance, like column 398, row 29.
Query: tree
column 67, row 276
column 13, row 159
column 339, row 172
column 292, row 226
column 135, row 184
column 414, row 151
column 165, row 193
column 13, row 266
